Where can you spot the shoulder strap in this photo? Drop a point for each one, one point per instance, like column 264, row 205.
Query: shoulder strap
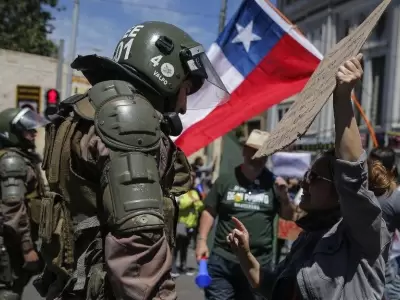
column 15, row 150
column 73, row 99
column 60, row 137
column 67, row 105
column 2, row 152
column 81, row 105
column 57, row 133
column 85, row 109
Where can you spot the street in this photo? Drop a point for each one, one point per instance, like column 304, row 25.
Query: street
column 186, row 287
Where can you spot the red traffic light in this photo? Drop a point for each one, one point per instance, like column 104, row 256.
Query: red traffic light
column 52, row 96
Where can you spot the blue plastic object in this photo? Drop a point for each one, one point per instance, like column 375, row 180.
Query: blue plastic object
column 199, row 187
column 203, row 280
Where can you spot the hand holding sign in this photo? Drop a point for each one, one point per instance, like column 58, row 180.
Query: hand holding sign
column 320, row 86
column 348, row 75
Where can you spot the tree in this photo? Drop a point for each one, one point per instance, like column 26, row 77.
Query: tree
column 25, row 24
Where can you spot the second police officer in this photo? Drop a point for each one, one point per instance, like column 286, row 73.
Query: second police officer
column 21, row 190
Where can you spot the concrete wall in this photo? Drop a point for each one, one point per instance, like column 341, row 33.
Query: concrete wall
column 32, row 70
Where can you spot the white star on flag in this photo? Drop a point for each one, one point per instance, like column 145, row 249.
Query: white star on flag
column 246, row 36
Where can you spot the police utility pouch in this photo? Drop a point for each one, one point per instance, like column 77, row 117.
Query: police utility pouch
column 171, row 124
column 49, row 215
column 6, row 275
column 96, row 284
column 43, row 282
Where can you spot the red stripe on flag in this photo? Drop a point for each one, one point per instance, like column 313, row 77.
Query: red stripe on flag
column 281, row 74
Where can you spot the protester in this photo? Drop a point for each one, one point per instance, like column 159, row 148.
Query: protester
column 291, row 166
column 342, row 252
column 204, row 174
column 247, row 193
column 382, row 181
column 283, row 245
column 294, row 186
column 200, row 187
column 200, row 167
column 198, row 161
column 190, row 206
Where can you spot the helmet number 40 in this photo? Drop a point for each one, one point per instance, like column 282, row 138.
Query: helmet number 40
column 156, row 60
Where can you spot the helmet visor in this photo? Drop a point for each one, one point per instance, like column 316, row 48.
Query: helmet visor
column 28, row 119
column 208, row 89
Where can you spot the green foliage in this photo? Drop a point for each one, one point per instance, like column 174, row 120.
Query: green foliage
column 25, row 24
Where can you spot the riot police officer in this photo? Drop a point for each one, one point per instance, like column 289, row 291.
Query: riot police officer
column 114, row 172
column 21, row 188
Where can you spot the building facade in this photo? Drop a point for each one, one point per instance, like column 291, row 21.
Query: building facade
column 25, row 79
column 325, row 23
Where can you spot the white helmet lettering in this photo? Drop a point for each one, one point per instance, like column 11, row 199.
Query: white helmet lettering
column 124, row 47
column 133, row 31
column 160, row 78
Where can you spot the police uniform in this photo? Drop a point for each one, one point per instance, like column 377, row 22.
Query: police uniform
column 109, row 222
column 22, row 189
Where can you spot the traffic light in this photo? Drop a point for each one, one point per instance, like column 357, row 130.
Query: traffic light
column 52, row 101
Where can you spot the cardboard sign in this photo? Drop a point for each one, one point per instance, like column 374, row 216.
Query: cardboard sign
column 320, row 86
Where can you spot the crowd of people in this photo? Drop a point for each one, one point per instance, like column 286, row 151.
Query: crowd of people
column 123, row 203
column 348, row 247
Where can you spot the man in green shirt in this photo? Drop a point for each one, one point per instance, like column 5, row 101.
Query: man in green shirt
column 254, row 195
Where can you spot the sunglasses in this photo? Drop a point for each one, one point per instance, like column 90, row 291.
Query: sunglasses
column 311, row 176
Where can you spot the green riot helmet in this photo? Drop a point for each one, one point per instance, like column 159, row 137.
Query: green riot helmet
column 161, row 57
column 15, row 122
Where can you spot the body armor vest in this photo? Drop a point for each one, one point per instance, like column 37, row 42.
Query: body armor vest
column 71, row 227
column 35, row 188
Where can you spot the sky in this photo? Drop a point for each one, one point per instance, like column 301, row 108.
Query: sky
column 103, row 22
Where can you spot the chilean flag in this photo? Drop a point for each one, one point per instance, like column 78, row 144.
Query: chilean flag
column 262, row 59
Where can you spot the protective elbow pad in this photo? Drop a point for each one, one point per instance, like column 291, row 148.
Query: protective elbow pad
column 133, row 194
column 13, row 172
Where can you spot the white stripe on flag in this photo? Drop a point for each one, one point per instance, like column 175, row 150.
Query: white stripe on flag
column 203, row 102
column 289, row 28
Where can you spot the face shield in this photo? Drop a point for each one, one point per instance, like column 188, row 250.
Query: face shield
column 27, row 119
column 208, row 90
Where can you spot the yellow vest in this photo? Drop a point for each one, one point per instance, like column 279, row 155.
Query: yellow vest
column 190, row 207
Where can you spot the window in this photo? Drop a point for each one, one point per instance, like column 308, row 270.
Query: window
column 361, row 18
column 344, row 30
column 380, row 27
column 319, row 40
column 394, row 142
column 250, row 125
column 207, row 150
column 378, row 79
column 253, row 124
column 282, row 109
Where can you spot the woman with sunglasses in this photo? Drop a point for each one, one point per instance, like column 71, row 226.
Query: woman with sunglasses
column 342, row 251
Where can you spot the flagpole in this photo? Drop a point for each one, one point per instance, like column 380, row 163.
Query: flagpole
column 222, row 21
column 222, row 15
column 218, row 143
